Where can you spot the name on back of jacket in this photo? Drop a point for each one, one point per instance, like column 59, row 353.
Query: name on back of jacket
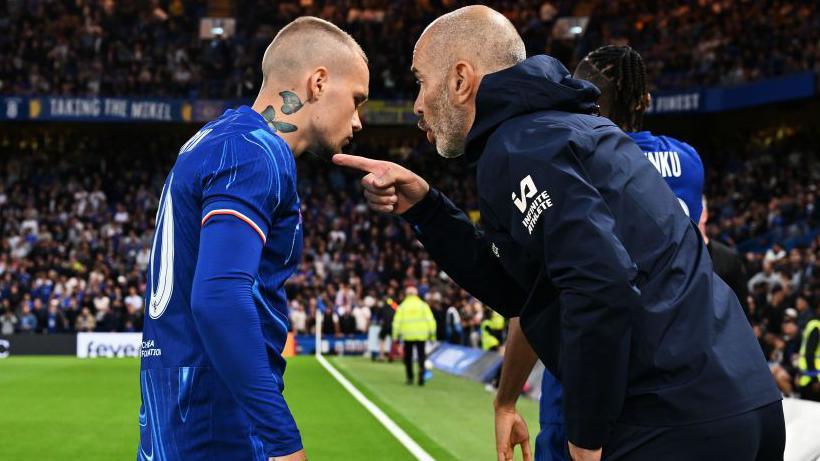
column 667, row 163
column 539, row 203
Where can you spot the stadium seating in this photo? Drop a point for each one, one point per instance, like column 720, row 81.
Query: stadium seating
column 152, row 48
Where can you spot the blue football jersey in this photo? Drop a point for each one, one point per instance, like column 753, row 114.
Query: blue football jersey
column 235, row 165
column 679, row 164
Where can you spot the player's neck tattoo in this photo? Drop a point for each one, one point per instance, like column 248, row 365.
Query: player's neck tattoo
column 291, row 105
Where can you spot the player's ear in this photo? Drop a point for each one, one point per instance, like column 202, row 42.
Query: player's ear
column 645, row 103
column 463, row 82
column 317, row 83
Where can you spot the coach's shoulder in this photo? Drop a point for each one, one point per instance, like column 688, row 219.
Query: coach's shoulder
column 543, row 137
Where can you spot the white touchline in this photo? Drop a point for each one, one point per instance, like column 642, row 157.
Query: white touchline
column 388, row 423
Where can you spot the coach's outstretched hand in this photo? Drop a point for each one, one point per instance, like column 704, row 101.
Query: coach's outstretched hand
column 388, row 187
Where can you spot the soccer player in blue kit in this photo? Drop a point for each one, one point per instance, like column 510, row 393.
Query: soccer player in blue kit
column 228, row 235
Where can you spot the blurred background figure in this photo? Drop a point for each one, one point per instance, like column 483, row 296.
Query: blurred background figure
column 414, row 325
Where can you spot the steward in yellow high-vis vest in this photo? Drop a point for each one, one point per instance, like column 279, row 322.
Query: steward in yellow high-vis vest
column 415, row 324
column 809, row 380
column 414, row 320
column 492, row 330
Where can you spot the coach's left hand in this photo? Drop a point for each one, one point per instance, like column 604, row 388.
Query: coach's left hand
column 582, row 454
column 388, row 187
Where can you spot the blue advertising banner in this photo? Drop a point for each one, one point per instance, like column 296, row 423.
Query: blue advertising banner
column 347, row 345
column 61, row 108
column 110, row 109
column 455, row 359
column 665, row 103
column 13, row 109
column 717, row 99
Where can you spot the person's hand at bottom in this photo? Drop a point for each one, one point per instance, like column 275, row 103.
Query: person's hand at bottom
column 298, row 456
column 511, row 430
column 582, row 454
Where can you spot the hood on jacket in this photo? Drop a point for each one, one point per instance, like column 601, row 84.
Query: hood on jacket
column 535, row 84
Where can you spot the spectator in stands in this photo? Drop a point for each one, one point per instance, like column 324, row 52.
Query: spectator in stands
column 473, row 315
column 28, row 321
column 728, row 264
column 133, row 300
column 104, row 319
column 454, row 328
column 330, row 323
column 804, row 312
column 298, row 317
column 54, row 321
column 433, row 298
column 774, row 311
column 8, row 323
column 136, row 48
column 361, row 314
column 386, row 315
column 85, row 321
column 347, row 322
column 767, row 276
column 776, row 252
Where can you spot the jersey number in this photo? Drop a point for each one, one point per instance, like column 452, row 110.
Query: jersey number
column 162, row 289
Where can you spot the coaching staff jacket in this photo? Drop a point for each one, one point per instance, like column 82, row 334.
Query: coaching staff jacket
column 583, row 239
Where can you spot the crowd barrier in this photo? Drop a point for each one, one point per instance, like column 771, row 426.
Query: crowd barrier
column 469, row 362
column 31, row 344
column 114, row 345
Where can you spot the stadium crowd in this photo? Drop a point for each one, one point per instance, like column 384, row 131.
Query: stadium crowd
column 76, row 229
column 113, row 48
column 76, row 234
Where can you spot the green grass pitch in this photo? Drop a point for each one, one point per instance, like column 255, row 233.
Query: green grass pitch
column 66, row 408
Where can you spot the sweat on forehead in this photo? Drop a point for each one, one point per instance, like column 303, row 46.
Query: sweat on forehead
column 307, row 43
column 477, row 34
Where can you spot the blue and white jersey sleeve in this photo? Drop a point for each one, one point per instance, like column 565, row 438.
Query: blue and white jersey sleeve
column 241, row 184
column 242, row 178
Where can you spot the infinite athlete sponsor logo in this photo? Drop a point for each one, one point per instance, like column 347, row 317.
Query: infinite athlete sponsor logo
column 537, row 206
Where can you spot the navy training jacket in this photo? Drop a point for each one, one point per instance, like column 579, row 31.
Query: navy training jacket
column 584, row 240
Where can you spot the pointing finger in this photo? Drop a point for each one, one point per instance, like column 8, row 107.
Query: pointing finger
column 365, row 164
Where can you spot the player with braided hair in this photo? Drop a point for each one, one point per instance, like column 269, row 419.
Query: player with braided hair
column 620, row 74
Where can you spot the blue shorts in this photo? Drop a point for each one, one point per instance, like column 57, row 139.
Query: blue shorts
column 551, row 442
